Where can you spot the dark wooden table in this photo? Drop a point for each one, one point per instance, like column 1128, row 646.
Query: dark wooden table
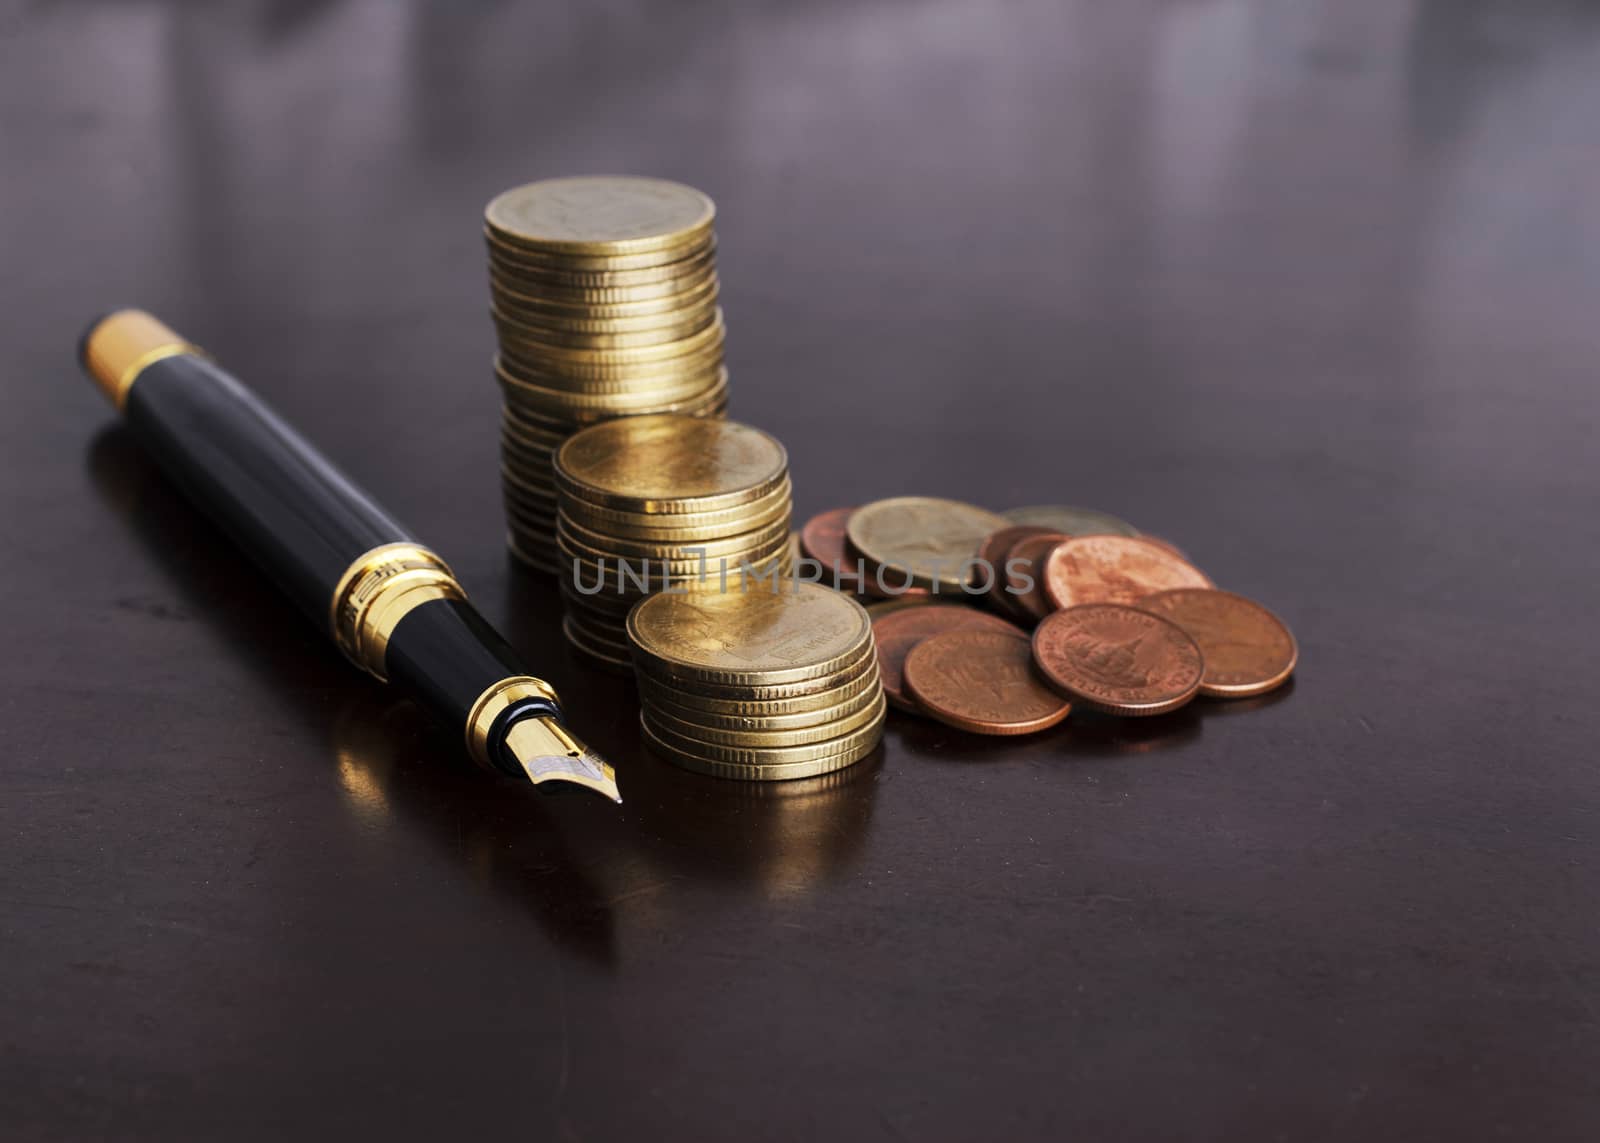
column 1311, row 289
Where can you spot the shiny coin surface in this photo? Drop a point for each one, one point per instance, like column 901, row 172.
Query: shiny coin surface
column 691, row 276
column 897, row 633
column 932, row 541
column 994, row 554
column 695, row 759
column 752, row 638
column 552, row 306
column 670, row 464
column 1248, row 650
column 1118, row 659
column 1113, row 569
column 611, row 214
column 983, row 682
column 853, row 744
column 800, row 710
column 1025, row 575
column 823, row 539
column 761, row 733
column 503, row 253
column 1072, row 521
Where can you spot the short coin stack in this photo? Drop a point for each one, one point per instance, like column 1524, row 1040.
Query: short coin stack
column 664, row 502
column 766, row 684
column 604, row 298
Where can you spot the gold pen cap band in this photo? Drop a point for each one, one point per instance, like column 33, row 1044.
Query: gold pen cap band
column 379, row 590
column 118, row 347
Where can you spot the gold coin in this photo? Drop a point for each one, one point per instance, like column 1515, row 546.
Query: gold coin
column 638, row 577
column 765, row 773
column 516, row 333
column 524, row 395
column 760, row 548
column 757, row 538
column 670, row 464
column 606, row 214
column 540, row 323
column 559, row 359
column 527, row 277
column 505, row 253
column 573, row 374
column 531, row 554
column 523, row 379
column 816, row 722
column 680, row 527
column 546, row 307
column 756, row 638
column 930, row 541
column 601, row 654
column 816, row 704
column 767, row 737
column 530, row 436
column 854, row 743
column 513, row 287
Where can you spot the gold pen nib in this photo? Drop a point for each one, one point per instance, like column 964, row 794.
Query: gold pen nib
column 549, row 753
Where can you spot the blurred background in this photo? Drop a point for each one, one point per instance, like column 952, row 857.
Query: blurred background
column 1309, row 287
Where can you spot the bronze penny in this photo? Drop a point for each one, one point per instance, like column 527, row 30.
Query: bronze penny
column 992, row 555
column 982, row 681
column 1025, row 586
column 1118, row 659
column 823, row 540
column 897, row 632
column 1248, row 650
column 1113, row 569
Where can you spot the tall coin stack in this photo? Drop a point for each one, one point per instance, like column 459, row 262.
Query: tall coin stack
column 604, row 298
column 664, row 502
column 762, row 685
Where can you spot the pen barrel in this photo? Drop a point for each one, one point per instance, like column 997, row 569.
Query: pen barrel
column 300, row 519
column 390, row 604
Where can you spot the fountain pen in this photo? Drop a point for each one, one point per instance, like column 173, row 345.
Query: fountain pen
column 390, row 604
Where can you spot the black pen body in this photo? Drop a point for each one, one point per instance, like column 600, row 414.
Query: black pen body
column 389, row 603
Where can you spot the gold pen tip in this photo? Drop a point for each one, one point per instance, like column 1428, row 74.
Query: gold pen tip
column 548, row 752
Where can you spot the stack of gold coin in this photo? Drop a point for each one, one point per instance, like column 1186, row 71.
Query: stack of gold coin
column 604, row 298
column 763, row 684
column 665, row 502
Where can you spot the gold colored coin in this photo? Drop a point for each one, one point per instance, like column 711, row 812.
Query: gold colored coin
column 680, row 527
column 757, row 538
column 767, row 737
column 597, row 652
column 764, row 692
column 531, row 554
column 664, row 702
column 688, row 554
column 548, row 307
column 559, row 359
column 504, row 253
column 670, row 465
column 514, row 287
column 761, row 547
column 679, row 321
column 1070, row 521
column 523, row 395
column 756, row 638
column 560, row 339
column 574, row 374
column 609, row 214
column 854, row 743
column 634, row 578
column 526, row 277
column 862, row 680
column 930, row 541
column 783, row 772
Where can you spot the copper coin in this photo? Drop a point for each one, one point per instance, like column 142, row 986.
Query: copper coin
column 822, row 539
column 1118, row 659
column 1167, row 544
column 982, row 681
column 992, row 556
column 1248, row 650
column 897, row 632
column 1113, row 569
column 1025, row 585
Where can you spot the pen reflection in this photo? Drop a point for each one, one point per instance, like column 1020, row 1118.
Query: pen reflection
column 587, row 873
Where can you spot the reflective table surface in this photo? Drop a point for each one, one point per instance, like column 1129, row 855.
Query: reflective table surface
column 1311, row 289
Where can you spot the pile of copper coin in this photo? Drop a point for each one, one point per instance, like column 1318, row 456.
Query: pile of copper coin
column 604, row 298
column 1003, row 623
column 663, row 503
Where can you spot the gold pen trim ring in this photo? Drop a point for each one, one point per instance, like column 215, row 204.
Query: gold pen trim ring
column 377, row 591
column 492, row 703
